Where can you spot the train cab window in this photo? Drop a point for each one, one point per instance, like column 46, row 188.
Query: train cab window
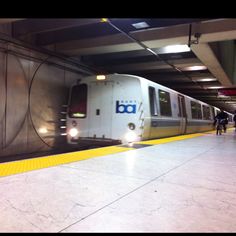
column 153, row 101
column 165, row 105
column 196, row 110
column 206, row 112
column 78, row 101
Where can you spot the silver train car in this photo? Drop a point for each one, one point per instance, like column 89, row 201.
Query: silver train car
column 126, row 108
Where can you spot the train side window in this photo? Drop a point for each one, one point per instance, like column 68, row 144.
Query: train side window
column 196, row 110
column 152, row 101
column 165, row 104
column 78, row 101
column 206, row 112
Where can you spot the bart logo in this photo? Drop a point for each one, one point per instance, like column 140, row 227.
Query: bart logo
column 125, row 108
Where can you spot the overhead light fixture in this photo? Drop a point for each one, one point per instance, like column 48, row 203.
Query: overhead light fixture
column 174, row 49
column 222, row 96
column 140, row 25
column 43, row 130
column 214, row 87
column 150, row 50
column 104, row 20
column 231, row 102
column 206, row 79
column 101, row 77
column 193, row 68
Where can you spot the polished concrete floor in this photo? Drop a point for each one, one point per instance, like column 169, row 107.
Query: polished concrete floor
column 182, row 186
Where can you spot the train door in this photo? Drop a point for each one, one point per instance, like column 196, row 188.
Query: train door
column 182, row 114
column 100, row 109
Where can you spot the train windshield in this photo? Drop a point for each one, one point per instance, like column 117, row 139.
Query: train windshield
column 78, row 101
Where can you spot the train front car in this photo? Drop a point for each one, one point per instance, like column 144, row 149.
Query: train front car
column 124, row 109
column 105, row 110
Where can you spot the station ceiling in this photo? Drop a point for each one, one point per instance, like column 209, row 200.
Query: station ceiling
column 200, row 69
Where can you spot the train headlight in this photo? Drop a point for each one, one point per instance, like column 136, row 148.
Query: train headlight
column 73, row 132
column 131, row 126
column 131, row 136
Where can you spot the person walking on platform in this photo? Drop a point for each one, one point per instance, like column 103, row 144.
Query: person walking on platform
column 235, row 120
column 223, row 117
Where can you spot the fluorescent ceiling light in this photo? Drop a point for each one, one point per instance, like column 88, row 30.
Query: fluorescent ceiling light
column 214, row 87
column 140, row 25
column 150, row 50
column 192, row 68
column 101, row 77
column 43, row 130
column 207, row 79
column 223, row 96
column 174, row 49
column 231, row 102
column 104, row 20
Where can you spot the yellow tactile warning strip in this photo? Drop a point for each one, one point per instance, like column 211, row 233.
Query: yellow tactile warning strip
column 170, row 139
column 15, row 167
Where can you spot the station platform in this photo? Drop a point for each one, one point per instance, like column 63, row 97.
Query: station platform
column 179, row 184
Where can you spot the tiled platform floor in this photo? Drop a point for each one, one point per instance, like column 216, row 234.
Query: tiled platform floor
column 181, row 186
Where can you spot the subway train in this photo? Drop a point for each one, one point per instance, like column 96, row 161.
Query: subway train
column 120, row 108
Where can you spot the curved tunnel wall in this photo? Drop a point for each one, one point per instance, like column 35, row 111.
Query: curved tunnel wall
column 32, row 95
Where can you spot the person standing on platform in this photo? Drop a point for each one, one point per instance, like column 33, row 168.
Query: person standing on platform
column 235, row 120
